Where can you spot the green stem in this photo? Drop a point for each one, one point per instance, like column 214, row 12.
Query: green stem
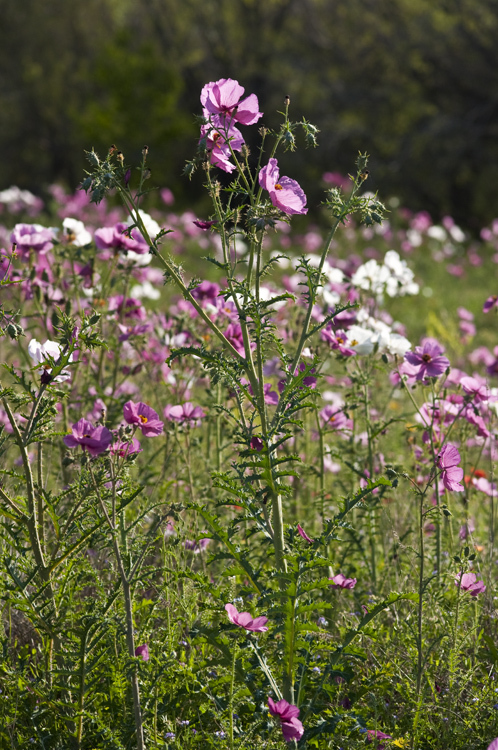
column 81, row 698
column 230, row 699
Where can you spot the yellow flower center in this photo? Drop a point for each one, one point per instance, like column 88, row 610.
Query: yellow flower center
column 278, row 187
column 143, row 419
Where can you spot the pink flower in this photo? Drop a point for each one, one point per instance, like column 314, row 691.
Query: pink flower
column 233, row 334
column 186, row 414
column 477, row 389
column 333, row 418
column 468, row 582
column 341, row 582
column 257, row 444
column 95, row 440
column 494, row 745
column 144, row 417
column 484, row 485
column 292, row 728
column 285, row 193
column 428, row 359
column 196, row 547
column 118, row 238
column 244, row 620
column 204, row 225
column 224, row 98
column 451, row 473
column 375, row 734
column 220, row 141
column 124, row 448
column 143, row 651
column 490, row 303
column 466, row 529
column 31, row 237
column 304, row 535
column 337, row 340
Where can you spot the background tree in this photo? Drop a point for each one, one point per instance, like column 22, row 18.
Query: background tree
column 413, row 82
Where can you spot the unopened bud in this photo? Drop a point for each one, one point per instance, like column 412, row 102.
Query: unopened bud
column 287, row 100
column 120, row 157
column 112, row 149
column 145, row 151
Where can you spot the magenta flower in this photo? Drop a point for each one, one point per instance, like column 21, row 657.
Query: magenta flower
column 333, row 418
column 220, row 142
column 126, row 448
column 451, row 474
column 95, row 440
column 375, row 734
column 341, row 582
column 494, row 745
column 130, row 307
column 285, row 193
column 337, row 340
column 118, row 238
column 271, row 397
column 206, row 291
column 475, row 388
column 233, row 334
column 304, row 535
column 224, row 98
column 186, row 414
column 128, row 331
column 468, row 582
column 204, row 225
column 484, row 485
column 144, row 417
column 490, row 303
column 143, row 651
column 244, row 620
column 196, row 547
column 292, row 728
column 257, row 444
column 466, row 529
column 428, row 359
column 31, row 237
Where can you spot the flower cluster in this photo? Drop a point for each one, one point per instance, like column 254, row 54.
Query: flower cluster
column 223, row 106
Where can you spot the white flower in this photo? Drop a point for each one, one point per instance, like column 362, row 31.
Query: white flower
column 414, row 237
column 330, row 298
column 75, row 232
column 333, row 274
column 19, row 198
column 145, row 289
column 456, row 233
column 40, row 354
column 150, row 224
column 361, row 340
column 393, row 277
column 437, row 233
column 398, row 344
column 267, row 294
column 371, row 277
column 137, row 260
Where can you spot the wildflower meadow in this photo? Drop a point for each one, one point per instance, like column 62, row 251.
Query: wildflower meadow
column 247, row 487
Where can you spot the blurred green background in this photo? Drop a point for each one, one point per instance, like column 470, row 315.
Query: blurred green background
column 413, row 82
